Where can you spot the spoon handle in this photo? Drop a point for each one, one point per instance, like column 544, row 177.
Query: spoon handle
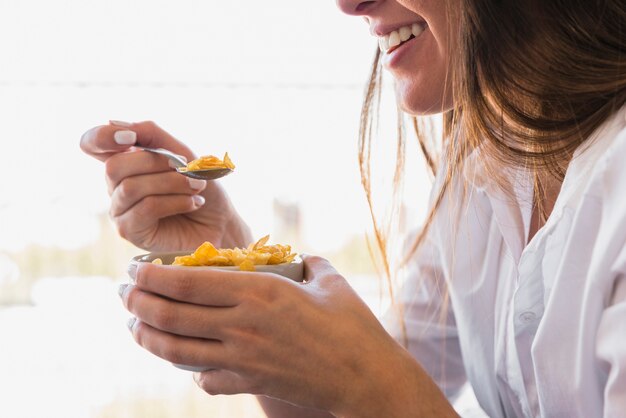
column 175, row 158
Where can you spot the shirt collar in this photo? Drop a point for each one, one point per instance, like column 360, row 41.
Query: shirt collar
column 513, row 208
column 587, row 156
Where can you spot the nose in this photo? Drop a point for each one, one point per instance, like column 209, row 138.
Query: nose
column 356, row 7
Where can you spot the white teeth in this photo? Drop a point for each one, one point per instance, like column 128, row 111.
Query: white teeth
column 400, row 35
column 383, row 43
column 394, row 39
column 405, row 33
column 417, row 29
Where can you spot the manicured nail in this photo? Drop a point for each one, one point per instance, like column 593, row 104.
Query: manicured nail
column 131, row 323
column 121, row 289
column 132, row 273
column 125, row 137
column 198, row 200
column 196, row 184
column 120, row 123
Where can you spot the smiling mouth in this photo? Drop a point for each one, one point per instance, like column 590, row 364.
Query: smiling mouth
column 393, row 40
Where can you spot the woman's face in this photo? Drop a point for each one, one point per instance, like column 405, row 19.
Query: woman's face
column 413, row 37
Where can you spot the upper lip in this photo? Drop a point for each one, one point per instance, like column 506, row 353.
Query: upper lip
column 385, row 29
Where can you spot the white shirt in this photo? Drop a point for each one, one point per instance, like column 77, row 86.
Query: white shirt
column 539, row 330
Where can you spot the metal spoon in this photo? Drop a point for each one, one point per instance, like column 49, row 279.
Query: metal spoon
column 180, row 163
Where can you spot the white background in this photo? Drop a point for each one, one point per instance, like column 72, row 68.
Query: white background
column 276, row 84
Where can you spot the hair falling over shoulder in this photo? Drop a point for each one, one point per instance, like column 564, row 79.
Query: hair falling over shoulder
column 531, row 81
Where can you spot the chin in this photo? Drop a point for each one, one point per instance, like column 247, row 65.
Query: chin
column 416, row 99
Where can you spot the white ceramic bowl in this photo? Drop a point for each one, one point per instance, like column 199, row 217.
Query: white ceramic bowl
column 293, row 271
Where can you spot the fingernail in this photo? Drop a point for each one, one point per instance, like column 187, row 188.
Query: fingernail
column 131, row 323
column 132, row 273
column 198, row 200
column 196, row 184
column 121, row 289
column 120, row 123
column 125, row 137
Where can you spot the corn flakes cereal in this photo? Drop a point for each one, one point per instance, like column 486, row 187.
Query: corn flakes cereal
column 245, row 258
column 209, row 162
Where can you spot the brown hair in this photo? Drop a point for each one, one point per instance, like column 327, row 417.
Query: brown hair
column 531, row 81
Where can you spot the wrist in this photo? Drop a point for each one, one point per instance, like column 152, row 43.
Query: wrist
column 236, row 233
column 396, row 389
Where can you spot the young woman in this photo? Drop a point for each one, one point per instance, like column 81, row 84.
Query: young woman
column 518, row 278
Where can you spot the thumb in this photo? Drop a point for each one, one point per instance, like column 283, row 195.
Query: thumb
column 318, row 269
column 104, row 141
column 151, row 135
column 101, row 143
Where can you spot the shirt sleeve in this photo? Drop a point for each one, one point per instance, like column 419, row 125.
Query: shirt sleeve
column 611, row 345
column 422, row 319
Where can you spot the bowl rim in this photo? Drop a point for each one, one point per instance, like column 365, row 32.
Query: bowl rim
column 297, row 263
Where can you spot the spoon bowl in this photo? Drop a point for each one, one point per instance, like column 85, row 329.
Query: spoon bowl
column 206, row 174
column 180, row 164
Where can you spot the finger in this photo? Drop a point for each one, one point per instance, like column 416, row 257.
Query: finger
column 100, row 143
column 178, row 318
column 176, row 349
column 200, row 285
column 132, row 190
column 128, row 164
column 223, row 382
column 141, row 217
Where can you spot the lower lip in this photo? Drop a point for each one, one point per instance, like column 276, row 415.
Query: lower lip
column 395, row 58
